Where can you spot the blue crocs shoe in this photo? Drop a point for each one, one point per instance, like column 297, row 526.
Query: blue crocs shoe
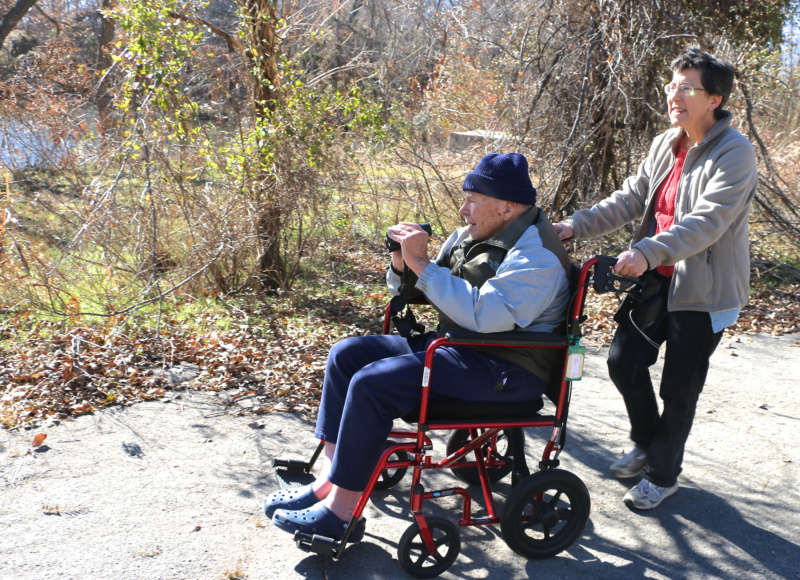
column 292, row 498
column 317, row 520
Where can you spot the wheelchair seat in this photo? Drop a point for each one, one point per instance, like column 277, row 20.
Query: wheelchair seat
column 448, row 409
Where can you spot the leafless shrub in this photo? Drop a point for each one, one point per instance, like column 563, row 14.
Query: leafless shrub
column 131, row 215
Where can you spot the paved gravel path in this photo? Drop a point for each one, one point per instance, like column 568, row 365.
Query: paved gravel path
column 173, row 490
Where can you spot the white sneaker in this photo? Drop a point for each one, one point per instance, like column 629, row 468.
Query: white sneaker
column 630, row 464
column 646, row 495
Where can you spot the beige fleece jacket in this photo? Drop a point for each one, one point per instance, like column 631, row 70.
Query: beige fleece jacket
column 709, row 240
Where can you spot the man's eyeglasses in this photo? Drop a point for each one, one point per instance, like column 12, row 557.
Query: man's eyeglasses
column 684, row 89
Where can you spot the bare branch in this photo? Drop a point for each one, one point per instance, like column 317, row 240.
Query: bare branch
column 784, row 207
column 52, row 20
column 158, row 298
column 233, row 43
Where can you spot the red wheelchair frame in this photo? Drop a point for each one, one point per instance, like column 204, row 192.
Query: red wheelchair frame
column 545, row 512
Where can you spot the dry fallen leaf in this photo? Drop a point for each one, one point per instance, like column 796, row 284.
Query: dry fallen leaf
column 51, row 510
column 276, row 365
column 39, row 439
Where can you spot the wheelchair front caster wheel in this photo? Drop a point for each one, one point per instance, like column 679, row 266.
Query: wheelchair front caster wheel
column 390, row 477
column 420, row 561
column 545, row 513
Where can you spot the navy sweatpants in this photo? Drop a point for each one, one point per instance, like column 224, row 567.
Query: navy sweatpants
column 372, row 380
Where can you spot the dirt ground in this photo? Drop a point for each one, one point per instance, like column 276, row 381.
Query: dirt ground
column 173, row 489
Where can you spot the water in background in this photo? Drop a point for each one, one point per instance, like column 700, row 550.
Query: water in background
column 26, row 145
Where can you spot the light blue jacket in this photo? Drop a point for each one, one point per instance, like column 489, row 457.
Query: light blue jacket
column 529, row 291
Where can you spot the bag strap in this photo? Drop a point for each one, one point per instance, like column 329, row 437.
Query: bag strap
column 403, row 318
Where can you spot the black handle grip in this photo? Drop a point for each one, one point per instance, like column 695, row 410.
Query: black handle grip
column 605, row 280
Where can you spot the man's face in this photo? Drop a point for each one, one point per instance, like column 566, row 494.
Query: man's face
column 485, row 215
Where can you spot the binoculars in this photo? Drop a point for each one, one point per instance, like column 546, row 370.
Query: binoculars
column 392, row 246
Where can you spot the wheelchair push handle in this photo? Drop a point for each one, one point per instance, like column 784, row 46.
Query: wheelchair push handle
column 605, row 280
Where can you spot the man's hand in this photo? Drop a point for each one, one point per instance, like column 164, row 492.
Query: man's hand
column 413, row 242
column 564, row 230
column 631, row 263
column 397, row 261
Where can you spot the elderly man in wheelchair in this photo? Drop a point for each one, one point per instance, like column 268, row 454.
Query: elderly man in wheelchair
column 505, row 271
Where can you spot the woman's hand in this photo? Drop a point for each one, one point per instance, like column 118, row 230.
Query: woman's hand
column 631, row 263
column 564, row 230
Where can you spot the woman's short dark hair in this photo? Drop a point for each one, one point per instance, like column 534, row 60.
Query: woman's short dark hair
column 715, row 74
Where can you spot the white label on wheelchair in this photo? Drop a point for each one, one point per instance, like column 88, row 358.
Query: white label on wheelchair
column 575, row 356
column 426, row 377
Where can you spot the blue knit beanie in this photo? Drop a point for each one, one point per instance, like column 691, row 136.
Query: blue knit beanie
column 504, row 176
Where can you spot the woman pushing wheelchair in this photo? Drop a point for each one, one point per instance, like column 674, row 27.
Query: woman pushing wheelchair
column 692, row 195
column 505, row 270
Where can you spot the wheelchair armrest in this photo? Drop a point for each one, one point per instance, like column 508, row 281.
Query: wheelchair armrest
column 512, row 339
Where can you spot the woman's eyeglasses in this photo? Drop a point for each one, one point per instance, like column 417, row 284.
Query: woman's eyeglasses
column 684, row 89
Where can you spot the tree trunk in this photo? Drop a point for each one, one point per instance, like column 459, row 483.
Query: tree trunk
column 103, row 99
column 12, row 18
column 260, row 21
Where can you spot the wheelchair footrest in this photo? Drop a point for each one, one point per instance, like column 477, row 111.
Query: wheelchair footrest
column 322, row 545
column 328, row 546
column 292, row 466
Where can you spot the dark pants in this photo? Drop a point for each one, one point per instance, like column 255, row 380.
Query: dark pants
column 372, row 380
column 690, row 343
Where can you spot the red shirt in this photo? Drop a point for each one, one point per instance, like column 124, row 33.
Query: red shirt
column 665, row 203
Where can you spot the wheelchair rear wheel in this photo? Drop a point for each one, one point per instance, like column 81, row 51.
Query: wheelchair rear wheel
column 414, row 555
column 390, row 477
column 498, row 449
column 545, row 513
